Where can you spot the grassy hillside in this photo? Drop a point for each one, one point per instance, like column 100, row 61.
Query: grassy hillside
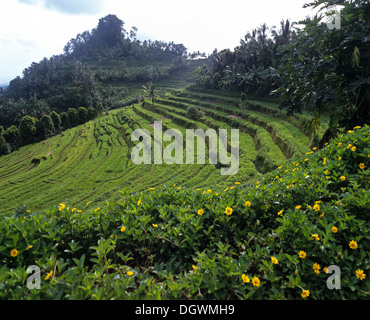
column 271, row 239
column 92, row 162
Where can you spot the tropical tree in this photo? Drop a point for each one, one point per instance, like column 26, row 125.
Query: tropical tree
column 73, row 116
column 27, row 129
column 3, row 144
column 65, row 123
column 56, row 121
column 327, row 70
column 45, row 127
column 91, row 113
column 149, row 90
column 11, row 136
column 82, row 114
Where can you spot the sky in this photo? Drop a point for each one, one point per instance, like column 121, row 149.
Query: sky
column 33, row 29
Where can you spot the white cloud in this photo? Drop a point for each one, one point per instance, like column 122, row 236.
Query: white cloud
column 69, row 6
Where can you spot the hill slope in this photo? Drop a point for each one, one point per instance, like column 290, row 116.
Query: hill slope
column 273, row 239
column 92, row 162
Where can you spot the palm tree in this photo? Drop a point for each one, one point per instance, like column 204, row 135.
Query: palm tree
column 149, row 91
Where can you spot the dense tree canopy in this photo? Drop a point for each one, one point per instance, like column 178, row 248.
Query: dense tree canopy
column 328, row 69
column 315, row 67
column 71, row 79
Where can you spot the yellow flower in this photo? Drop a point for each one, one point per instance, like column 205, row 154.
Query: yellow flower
column 74, row 209
column 315, row 237
column 357, row 127
column 139, row 202
column 343, row 178
column 325, row 269
column 362, row 166
column 29, row 247
column 274, row 260
column 334, row 229
column 88, row 203
column 314, row 148
column 327, row 178
column 154, row 225
column 200, row 212
column 247, row 203
column 350, row 131
column 353, row 244
column 123, row 229
column 49, row 275
column 316, row 207
column 302, row 254
column 97, row 209
column 79, row 211
column 324, row 162
column 256, row 282
column 349, row 146
column 353, row 148
column 339, row 144
column 305, row 294
column 61, row 206
column 316, row 267
column 305, row 159
column 14, row 253
column 194, row 268
column 298, row 207
column 360, row 274
column 228, row 211
column 245, row 278
column 130, row 273
column 237, row 182
column 178, row 188
column 326, row 172
column 280, row 212
column 226, row 189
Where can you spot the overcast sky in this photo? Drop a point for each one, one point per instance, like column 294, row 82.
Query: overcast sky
column 33, row 29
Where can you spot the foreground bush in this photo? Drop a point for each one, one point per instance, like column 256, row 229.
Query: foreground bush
column 274, row 239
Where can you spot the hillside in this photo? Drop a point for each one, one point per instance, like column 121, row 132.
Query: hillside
column 92, row 162
column 273, row 239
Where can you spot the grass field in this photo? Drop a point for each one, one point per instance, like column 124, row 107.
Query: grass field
column 92, row 162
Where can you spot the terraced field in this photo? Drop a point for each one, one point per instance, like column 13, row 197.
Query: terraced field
column 92, row 162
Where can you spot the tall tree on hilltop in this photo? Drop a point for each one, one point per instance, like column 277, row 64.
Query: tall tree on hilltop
column 109, row 31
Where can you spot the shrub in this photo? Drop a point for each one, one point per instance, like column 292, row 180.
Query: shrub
column 73, row 117
column 56, row 121
column 65, row 123
column 45, row 127
column 27, row 129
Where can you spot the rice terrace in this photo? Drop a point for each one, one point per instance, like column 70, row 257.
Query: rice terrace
column 280, row 214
